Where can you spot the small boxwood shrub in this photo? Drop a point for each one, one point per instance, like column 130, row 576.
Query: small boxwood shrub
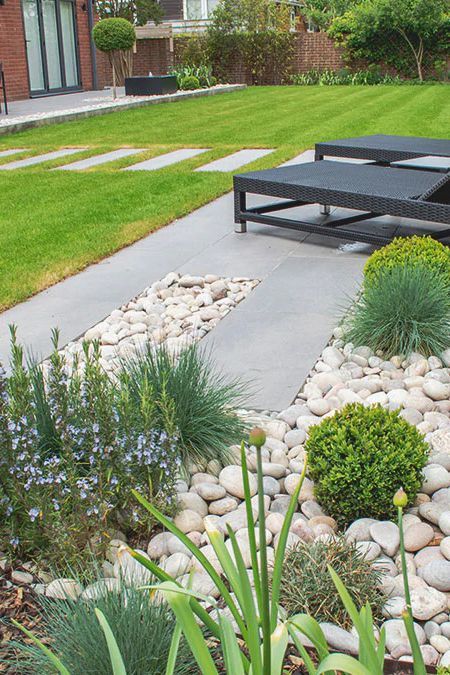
column 113, row 34
column 406, row 309
column 410, row 251
column 189, row 83
column 308, row 588
column 359, row 457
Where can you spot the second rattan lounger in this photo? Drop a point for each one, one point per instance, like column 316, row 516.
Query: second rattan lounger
column 383, row 148
column 369, row 189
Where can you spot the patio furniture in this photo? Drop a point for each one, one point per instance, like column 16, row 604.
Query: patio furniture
column 367, row 188
column 3, row 88
column 425, row 163
column 383, row 148
column 151, row 86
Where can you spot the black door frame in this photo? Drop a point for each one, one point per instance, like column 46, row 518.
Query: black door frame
column 64, row 89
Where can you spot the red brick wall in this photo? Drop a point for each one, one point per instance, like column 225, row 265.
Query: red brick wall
column 315, row 51
column 153, row 54
column 12, row 50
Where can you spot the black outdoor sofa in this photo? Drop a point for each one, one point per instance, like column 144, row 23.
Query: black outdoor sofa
column 372, row 189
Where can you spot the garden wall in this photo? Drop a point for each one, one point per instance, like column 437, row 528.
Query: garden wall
column 311, row 51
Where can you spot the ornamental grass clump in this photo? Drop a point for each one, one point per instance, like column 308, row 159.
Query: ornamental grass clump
column 307, row 587
column 405, row 309
column 203, row 401
column 143, row 631
column 359, row 456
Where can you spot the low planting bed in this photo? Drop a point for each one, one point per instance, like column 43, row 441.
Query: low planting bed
column 352, row 479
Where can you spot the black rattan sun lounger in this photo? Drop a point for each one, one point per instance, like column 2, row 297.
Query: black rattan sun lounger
column 367, row 188
column 383, row 148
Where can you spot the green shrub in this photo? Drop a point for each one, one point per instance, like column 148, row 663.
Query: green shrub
column 73, row 446
column 202, row 72
column 370, row 76
column 359, row 457
column 189, row 83
column 202, row 399
column 113, row 34
column 143, row 631
column 411, row 251
column 308, row 588
column 405, row 310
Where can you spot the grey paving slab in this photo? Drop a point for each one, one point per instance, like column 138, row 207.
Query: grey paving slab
column 96, row 160
column 38, row 159
column 167, row 159
column 308, row 156
column 235, row 160
column 12, row 151
column 276, row 335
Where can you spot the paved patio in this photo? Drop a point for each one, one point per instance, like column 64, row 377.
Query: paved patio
column 272, row 338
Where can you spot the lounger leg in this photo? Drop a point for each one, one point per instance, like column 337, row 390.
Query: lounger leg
column 325, row 209
column 240, row 204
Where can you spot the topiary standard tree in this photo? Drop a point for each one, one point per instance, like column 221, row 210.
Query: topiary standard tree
column 116, row 38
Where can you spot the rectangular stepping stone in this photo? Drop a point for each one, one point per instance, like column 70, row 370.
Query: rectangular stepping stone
column 100, row 159
column 7, row 153
column 167, row 159
column 235, row 161
column 30, row 161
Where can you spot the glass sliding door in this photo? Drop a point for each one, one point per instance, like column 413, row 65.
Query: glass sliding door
column 52, row 50
column 34, row 45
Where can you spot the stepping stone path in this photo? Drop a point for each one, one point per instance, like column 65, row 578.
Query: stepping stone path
column 38, row 159
column 15, row 151
column 161, row 161
column 89, row 162
column 234, row 161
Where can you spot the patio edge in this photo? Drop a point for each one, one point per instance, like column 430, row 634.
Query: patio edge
column 70, row 115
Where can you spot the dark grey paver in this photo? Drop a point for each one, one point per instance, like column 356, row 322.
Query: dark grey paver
column 167, row 159
column 96, row 160
column 235, row 160
column 38, row 159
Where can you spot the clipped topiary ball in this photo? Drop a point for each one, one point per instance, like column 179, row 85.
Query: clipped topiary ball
column 307, row 586
column 409, row 251
column 360, row 457
column 189, row 83
column 113, row 34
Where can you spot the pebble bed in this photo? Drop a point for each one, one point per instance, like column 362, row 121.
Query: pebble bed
column 177, row 310
column 212, row 496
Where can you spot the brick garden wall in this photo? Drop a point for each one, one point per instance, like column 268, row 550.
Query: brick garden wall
column 315, row 51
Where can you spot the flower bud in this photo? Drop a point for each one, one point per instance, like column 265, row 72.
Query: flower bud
column 400, row 498
column 257, row 437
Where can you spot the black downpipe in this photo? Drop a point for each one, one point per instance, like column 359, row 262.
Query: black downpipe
column 90, row 9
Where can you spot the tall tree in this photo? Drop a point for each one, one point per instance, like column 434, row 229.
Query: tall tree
column 138, row 12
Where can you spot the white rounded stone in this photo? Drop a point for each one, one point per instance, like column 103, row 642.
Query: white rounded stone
column 189, row 521
column 231, row 479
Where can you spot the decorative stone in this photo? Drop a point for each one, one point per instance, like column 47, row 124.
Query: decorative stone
column 444, row 522
column 440, row 643
column 445, row 547
column 359, row 530
column 339, row 639
column 19, row 577
column 63, row 589
column 176, row 564
column 396, row 633
column 158, row 545
column 271, row 486
column 369, row 549
column 435, row 478
column 231, row 479
column 223, row 506
column 189, row 521
column 427, row 602
column 417, row 536
column 295, row 437
column 210, row 491
column 101, row 588
column 437, row 575
column 387, row 535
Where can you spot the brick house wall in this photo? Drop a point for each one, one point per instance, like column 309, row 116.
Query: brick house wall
column 13, row 48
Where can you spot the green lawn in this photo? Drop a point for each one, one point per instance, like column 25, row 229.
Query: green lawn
column 55, row 223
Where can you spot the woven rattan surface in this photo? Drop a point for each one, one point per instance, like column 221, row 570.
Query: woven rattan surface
column 384, row 148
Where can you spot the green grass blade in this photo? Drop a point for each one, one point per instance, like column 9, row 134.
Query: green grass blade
column 279, row 643
column 160, row 574
column 418, row 664
column 308, row 626
column 310, row 667
column 381, row 649
column 117, row 664
column 179, row 604
column 231, row 653
column 173, row 652
column 344, row 664
column 49, row 654
column 366, row 640
column 203, row 560
column 248, row 607
column 281, row 549
column 251, row 528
